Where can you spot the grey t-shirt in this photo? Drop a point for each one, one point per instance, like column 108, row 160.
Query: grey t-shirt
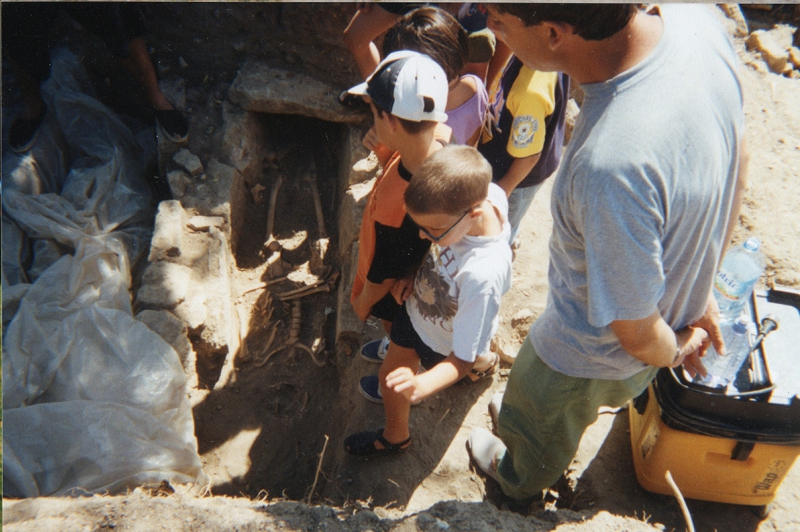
column 642, row 199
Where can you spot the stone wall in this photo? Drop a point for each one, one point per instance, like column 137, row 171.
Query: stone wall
column 216, row 39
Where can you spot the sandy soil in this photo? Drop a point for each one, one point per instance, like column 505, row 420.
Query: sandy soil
column 261, row 436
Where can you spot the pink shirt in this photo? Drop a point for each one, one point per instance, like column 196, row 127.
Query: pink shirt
column 469, row 116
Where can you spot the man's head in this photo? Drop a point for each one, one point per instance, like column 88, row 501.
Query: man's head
column 445, row 193
column 433, row 32
column 535, row 32
column 409, row 86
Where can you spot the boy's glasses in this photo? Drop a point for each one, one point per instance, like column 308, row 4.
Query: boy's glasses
column 437, row 239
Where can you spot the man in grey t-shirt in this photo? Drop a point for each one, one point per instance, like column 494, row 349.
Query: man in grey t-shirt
column 642, row 207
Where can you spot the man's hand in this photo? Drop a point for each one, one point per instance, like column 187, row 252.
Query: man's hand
column 690, row 342
column 709, row 322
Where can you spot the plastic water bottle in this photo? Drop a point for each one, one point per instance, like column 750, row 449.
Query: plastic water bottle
column 722, row 370
column 740, row 270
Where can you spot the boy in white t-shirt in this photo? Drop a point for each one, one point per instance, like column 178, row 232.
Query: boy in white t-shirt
column 451, row 312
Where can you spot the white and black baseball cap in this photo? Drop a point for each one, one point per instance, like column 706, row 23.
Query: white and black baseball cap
column 408, row 85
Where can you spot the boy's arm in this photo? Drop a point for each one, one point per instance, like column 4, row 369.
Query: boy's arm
column 371, row 294
column 518, row 171
column 439, row 377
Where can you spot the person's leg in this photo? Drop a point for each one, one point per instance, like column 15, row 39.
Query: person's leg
column 543, row 416
column 365, row 27
column 518, row 204
column 396, row 405
column 140, row 67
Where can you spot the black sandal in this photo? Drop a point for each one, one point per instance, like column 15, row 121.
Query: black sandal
column 475, row 375
column 173, row 124
column 363, row 444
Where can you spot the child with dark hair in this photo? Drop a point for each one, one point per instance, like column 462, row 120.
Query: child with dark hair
column 407, row 94
column 437, row 34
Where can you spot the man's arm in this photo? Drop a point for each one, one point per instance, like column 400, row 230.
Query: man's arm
column 518, row 171
column 738, row 194
column 652, row 341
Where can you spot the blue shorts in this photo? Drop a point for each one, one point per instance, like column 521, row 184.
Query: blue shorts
column 404, row 335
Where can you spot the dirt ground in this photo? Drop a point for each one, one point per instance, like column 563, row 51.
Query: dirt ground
column 260, row 437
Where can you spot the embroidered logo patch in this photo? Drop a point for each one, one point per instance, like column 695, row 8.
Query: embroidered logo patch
column 523, row 129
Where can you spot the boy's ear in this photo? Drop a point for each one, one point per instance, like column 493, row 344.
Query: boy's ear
column 557, row 32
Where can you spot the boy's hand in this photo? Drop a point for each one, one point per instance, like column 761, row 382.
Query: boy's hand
column 405, row 382
column 402, row 289
column 371, row 141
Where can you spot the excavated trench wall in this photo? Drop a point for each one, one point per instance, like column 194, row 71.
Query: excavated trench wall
column 277, row 70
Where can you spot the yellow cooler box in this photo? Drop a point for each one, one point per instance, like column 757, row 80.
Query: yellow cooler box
column 735, row 448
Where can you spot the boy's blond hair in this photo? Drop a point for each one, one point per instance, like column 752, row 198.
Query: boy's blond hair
column 450, row 181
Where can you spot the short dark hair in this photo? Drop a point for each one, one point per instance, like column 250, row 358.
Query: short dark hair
column 592, row 22
column 409, row 126
column 449, row 181
column 433, row 32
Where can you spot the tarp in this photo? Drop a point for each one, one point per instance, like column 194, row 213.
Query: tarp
column 93, row 400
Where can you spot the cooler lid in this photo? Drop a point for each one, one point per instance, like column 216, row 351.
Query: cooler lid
column 781, row 348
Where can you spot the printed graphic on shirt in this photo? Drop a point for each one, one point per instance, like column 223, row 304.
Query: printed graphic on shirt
column 523, row 130
column 432, row 292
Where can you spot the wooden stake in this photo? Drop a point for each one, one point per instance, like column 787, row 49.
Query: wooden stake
column 319, row 466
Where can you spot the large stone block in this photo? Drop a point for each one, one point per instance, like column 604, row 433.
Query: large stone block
column 168, row 232
column 776, row 56
column 173, row 331
column 244, row 141
column 164, row 286
column 348, row 325
column 263, row 89
column 351, row 211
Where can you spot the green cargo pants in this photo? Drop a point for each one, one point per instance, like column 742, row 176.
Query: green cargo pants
column 544, row 415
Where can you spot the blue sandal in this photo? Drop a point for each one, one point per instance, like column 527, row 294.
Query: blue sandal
column 363, row 444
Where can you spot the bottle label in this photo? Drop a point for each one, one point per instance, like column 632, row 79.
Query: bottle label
column 728, row 286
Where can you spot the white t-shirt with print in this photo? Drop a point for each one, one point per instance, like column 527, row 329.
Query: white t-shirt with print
column 455, row 305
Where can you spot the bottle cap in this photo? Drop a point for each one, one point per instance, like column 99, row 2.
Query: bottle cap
column 740, row 326
column 752, row 244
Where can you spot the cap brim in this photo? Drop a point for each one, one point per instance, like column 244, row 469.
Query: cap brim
column 358, row 90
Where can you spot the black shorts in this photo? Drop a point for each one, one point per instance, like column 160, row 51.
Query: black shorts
column 385, row 308
column 404, row 335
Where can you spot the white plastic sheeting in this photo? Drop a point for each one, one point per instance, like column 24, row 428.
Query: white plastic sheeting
column 94, row 401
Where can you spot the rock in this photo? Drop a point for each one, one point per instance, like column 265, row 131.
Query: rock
column 178, row 182
column 507, row 352
column 164, row 286
column 794, row 57
column 351, row 211
column 188, row 161
column 773, row 53
column 733, row 12
column 168, row 232
column 243, row 143
column 174, row 89
column 523, row 317
column 259, row 88
column 357, row 163
column 204, row 223
column 349, row 326
column 173, row 331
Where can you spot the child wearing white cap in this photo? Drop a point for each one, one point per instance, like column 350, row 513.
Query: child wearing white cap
column 407, row 94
